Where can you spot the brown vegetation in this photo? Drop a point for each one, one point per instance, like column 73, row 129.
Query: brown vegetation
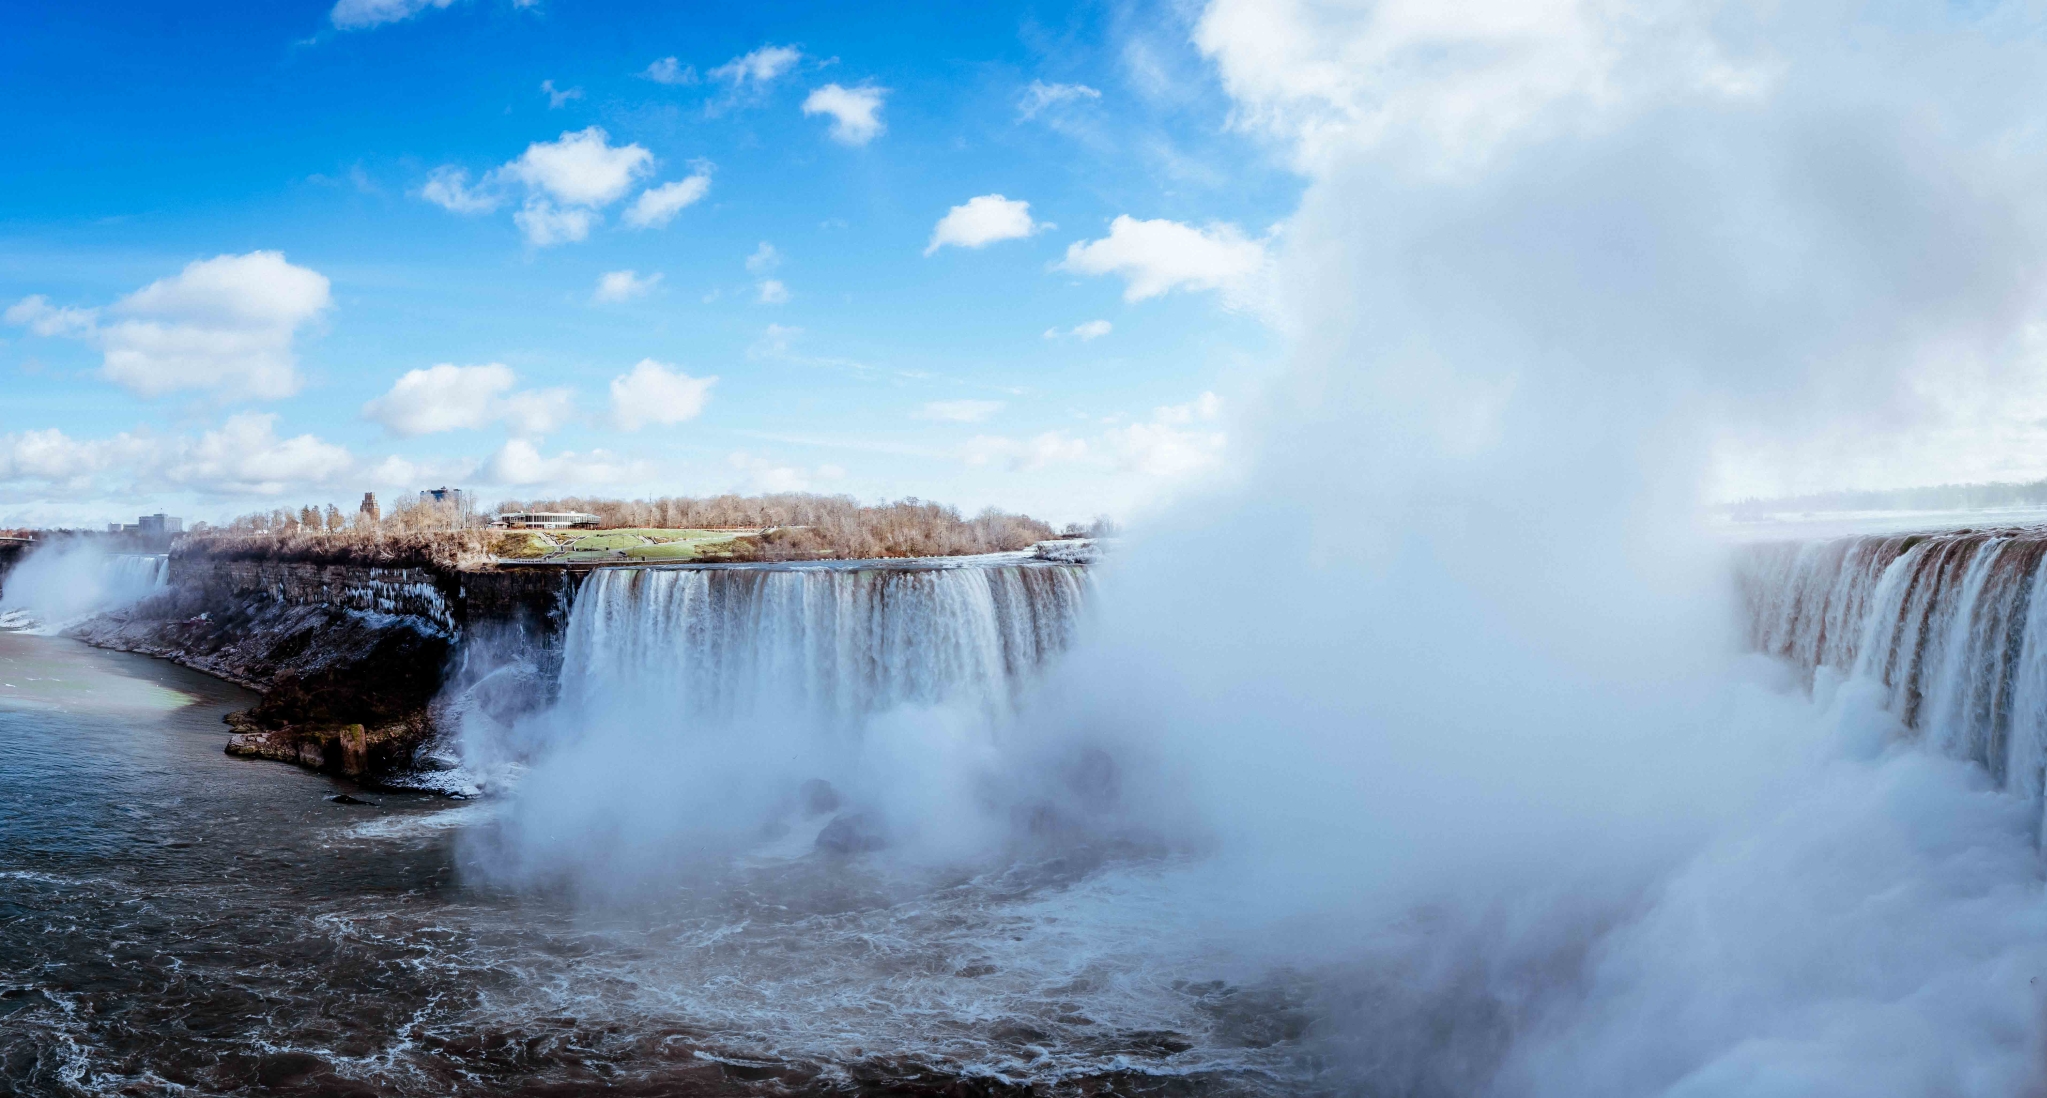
column 795, row 526
column 801, row 526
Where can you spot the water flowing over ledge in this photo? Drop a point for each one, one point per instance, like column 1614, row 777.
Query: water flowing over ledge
column 826, row 645
column 1948, row 624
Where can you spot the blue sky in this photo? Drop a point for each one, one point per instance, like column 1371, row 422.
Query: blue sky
column 269, row 254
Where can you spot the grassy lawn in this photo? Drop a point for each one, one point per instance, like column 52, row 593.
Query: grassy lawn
column 638, row 543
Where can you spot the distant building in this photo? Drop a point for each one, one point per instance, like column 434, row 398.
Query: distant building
column 548, row 520
column 159, row 524
column 443, row 495
column 369, row 507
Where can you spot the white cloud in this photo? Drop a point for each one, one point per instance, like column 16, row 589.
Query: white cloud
column 764, row 259
column 567, row 181
column 983, row 220
column 448, row 187
column 37, row 315
column 1172, row 445
column 52, row 456
column 1154, row 257
column 669, row 71
column 1041, row 95
column 759, row 67
column 362, row 14
column 1025, row 455
column 654, row 393
column 1087, row 331
column 520, row 462
column 225, row 324
column 447, row 397
column 657, row 206
column 556, row 99
column 581, row 168
column 855, row 112
column 762, row 474
column 776, row 341
column 546, row 225
column 959, row 411
column 615, row 286
column 245, row 457
column 772, row 292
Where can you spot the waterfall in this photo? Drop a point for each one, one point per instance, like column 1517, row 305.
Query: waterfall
column 1947, row 624
column 825, row 646
column 63, row 581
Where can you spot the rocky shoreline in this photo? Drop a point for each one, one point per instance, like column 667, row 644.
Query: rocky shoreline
column 350, row 659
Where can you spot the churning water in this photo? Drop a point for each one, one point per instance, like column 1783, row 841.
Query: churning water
column 174, row 920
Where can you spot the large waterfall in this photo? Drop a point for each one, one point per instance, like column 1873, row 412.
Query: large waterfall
column 1948, row 624
column 707, row 699
column 825, row 645
column 63, row 581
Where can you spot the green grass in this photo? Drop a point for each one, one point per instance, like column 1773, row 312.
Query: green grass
column 636, row 543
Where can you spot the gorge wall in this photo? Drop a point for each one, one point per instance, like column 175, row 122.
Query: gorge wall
column 350, row 659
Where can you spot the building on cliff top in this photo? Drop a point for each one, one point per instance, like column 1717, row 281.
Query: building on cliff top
column 548, row 520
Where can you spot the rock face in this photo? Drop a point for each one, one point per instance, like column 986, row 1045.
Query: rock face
column 349, row 658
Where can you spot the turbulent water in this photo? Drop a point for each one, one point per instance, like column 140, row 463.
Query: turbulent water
column 1949, row 624
column 173, row 920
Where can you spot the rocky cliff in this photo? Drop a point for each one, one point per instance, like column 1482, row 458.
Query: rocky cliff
column 349, row 658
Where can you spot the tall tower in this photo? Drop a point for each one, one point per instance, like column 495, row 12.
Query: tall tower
column 369, row 507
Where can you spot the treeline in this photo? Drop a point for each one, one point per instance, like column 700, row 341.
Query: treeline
column 803, row 526
column 791, row 525
column 1938, row 497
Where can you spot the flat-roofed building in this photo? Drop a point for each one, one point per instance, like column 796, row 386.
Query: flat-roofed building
column 548, row 520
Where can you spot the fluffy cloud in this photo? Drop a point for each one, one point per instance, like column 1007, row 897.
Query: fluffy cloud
column 670, row 71
column 657, row 394
column 1025, row 455
column 224, row 324
column 1085, row 332
column 581, row 168
column 1178, row 442
column 448, row 187
column 983, row 220
column 657, row 206
column 447, row 397
column 855, row 112
column 763, row 474
column 764, row 259
column 613, row 286
column 1154, row 257
column 567, row 182
column 759, row 67
column 772, row 292
column 245, row 457
column 1041, row 95
column 546, row 224
column 519, row 462
column 362, row 14
column 52, row 457
column 1459, row 79
column 959, row 411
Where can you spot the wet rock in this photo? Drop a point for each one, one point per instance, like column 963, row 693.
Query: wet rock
column 852, row 833
column 343, row 798
column 818, row 797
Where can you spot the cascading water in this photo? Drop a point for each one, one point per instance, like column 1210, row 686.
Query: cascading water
column 825, row 646
column 1948, row 624
column 61, row 582
column 699, row 700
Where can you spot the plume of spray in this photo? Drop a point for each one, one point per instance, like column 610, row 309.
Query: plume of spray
column 66, row 579
column 1472, row 735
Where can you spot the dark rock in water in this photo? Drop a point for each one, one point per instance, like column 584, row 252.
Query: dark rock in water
column 818, row 797
column 343, row 798
column 852, row 833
